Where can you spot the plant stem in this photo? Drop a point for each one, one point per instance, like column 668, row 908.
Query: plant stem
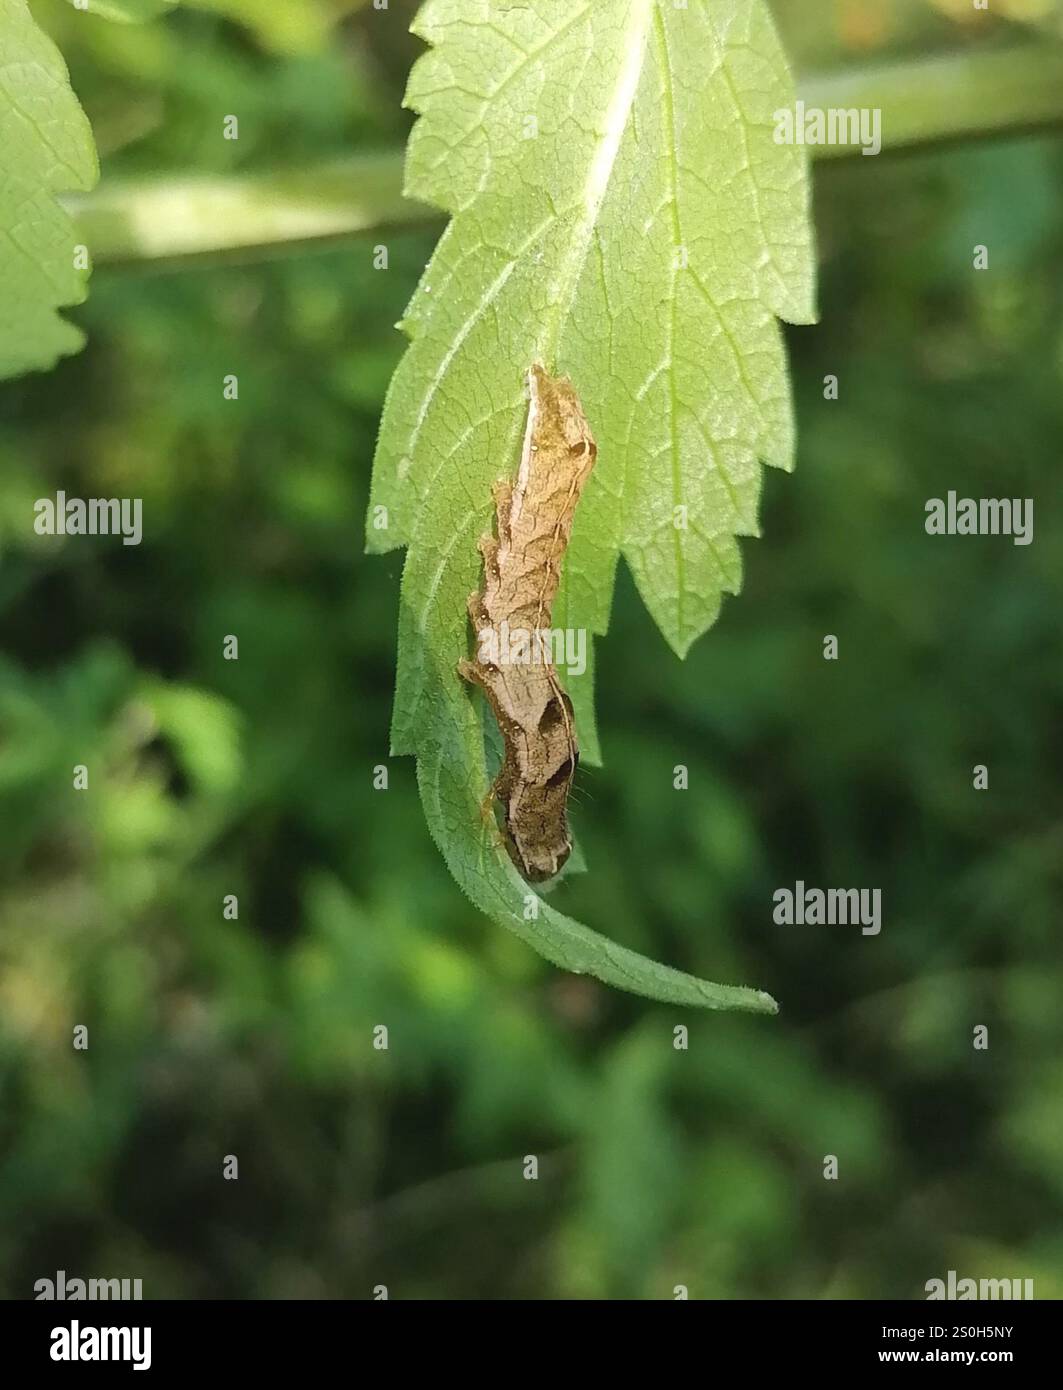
column 178, row 221
column 957, row 96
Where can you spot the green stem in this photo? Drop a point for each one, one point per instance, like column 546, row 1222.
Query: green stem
column 970, row 95
column 956, row 96
column 182, row 219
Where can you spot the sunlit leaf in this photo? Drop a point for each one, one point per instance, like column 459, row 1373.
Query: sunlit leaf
column 622, row 213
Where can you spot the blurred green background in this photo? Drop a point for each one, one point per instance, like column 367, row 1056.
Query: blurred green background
column 255, row 777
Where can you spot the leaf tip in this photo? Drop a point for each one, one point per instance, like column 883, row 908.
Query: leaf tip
column 766, row 1004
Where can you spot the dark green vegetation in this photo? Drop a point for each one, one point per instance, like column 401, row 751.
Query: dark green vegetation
column 253, row 1037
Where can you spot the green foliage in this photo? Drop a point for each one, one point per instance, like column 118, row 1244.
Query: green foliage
column 48, row 150
column 254, row 777
column 578, row 151
column 296, row 28
column 285, row 28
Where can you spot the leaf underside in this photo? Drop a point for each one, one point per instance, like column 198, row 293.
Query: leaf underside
column 620, row 212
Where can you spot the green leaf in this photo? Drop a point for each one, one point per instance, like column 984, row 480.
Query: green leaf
column 622, row 213
column 47, row 149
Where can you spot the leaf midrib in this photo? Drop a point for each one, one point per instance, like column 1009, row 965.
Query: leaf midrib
column 600, row 169
column 599, row 174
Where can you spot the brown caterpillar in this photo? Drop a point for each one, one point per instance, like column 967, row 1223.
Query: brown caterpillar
column 510, row 614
